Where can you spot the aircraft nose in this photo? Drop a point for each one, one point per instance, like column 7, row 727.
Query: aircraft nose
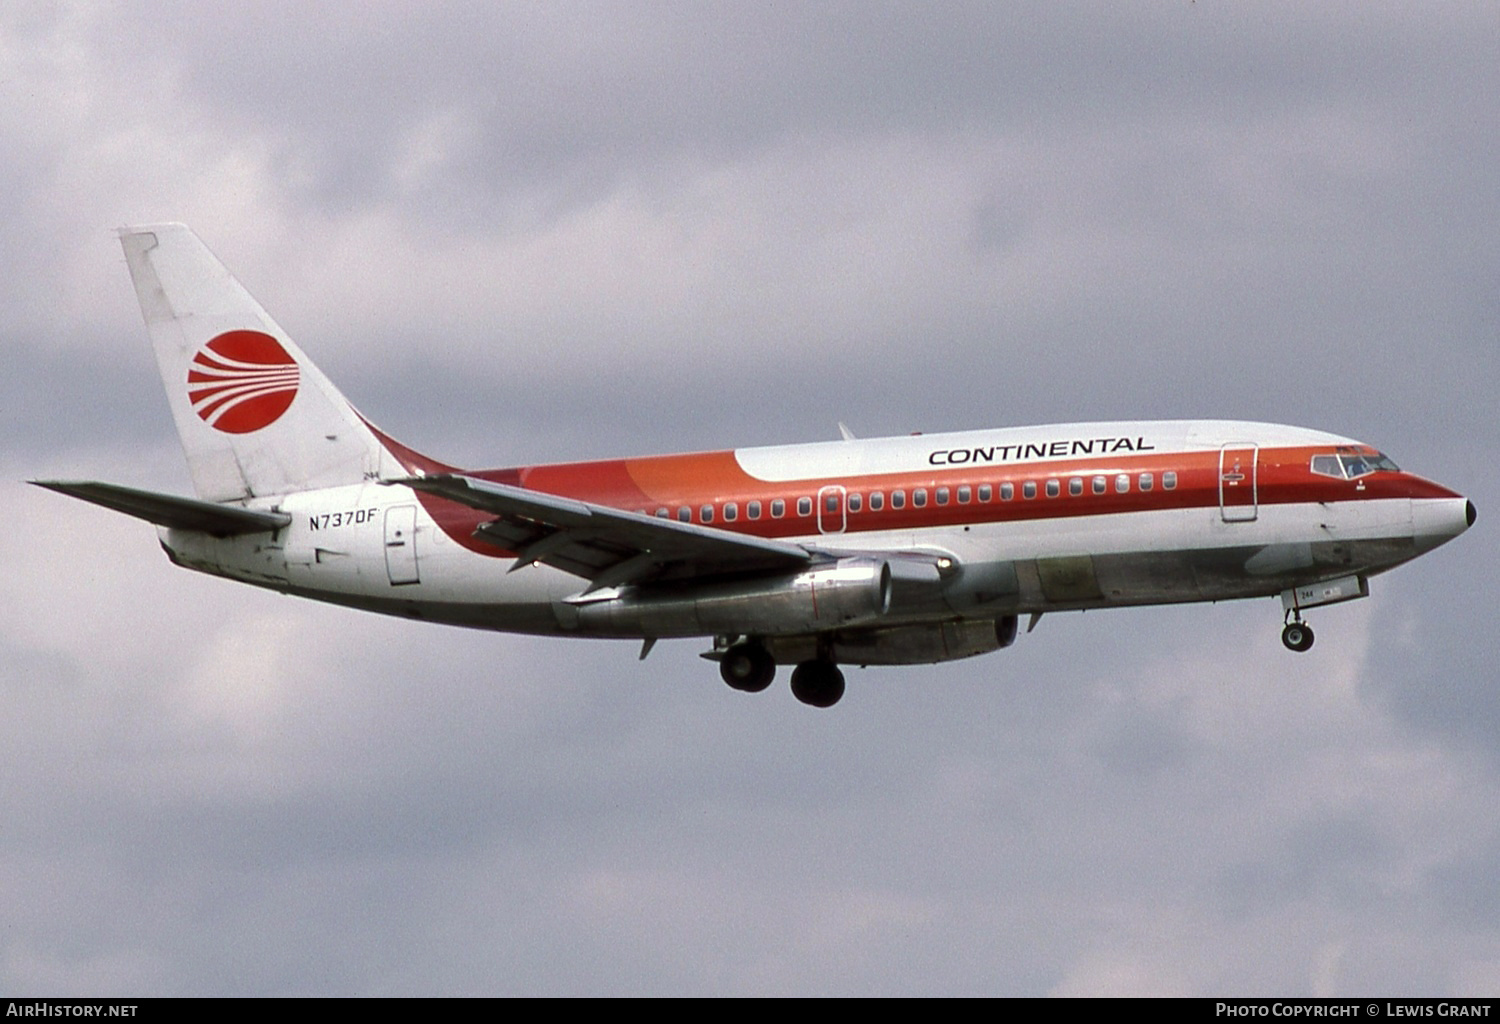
column 1436, row 521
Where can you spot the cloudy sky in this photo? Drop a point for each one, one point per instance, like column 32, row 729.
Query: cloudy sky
column 530, row 232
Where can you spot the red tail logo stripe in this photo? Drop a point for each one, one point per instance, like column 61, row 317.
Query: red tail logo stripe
column 242, row 381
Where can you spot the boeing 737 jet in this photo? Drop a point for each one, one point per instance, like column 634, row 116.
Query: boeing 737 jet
column 896, row 551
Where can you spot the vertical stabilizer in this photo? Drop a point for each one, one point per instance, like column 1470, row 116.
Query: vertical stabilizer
column 256, row 417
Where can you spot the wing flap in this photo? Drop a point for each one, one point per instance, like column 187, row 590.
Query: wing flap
column 170, row 510
column 607, row 546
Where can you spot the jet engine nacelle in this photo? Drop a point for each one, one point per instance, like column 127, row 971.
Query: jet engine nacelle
column 930, row 582
column 849, row 592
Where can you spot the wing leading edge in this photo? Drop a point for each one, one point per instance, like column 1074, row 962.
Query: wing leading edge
column 609, row 547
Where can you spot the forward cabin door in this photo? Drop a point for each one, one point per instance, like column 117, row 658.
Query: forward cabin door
column 1239, row 482
column 401, row 544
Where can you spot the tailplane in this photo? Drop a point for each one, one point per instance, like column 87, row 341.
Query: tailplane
column 256, row 417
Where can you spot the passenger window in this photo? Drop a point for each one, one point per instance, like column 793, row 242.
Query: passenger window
column 1147, row 481
column 778, row 508
column 898, row 499
column 804, row 506
column 1075, row 486
column 1007, row 491
column 1169, row 480
column 854, row 503
column 685, row 514
column 1053, row 488
column 942, row 495
column 1100, row 485
column 706, row 514
column 753, row 510
column 731, row 512
column 1122, row 483
column 963, row 495
column 1028, row 489
column 919, row 497
column 985, row 493
column 662, row 513
column 877, row 501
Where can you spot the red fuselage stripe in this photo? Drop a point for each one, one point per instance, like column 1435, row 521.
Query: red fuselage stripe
column 715, row 479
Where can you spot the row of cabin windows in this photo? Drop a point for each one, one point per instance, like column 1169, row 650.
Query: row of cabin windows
column 942, row 495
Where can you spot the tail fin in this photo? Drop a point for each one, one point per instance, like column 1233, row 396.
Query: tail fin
column 256, row 417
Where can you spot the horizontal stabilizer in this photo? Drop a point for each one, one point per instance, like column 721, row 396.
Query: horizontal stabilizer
column 170, row 510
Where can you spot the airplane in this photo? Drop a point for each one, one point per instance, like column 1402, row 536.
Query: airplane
column 892, row 551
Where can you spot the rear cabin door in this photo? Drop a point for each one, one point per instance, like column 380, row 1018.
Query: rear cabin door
column 1239, row 483
column 401, row 544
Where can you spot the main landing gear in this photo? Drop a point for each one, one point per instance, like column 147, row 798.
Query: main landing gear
column 1297, row 635
column 818, row 682
column 749, row 667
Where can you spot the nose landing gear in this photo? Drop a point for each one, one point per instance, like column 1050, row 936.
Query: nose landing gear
column 1297, row 635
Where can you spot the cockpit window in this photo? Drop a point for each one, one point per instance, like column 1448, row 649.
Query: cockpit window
column 1359, row 465
column 1327, row 465
column 1351, row 466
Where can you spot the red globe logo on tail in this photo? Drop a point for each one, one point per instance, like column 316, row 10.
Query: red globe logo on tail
column 242, row 381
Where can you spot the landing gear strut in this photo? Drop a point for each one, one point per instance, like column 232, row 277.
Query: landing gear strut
column 1297, row 635
column 818, row 682
column 748, row 666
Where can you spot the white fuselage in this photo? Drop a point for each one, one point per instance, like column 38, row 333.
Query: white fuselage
column 379, row 546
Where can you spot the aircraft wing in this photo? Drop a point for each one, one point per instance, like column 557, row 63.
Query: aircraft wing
column 606, row 546
column 170, row 510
